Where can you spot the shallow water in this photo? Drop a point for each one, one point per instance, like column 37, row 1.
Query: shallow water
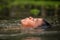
column 34, row 36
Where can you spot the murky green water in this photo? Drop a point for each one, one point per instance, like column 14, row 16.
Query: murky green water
column 43, row 36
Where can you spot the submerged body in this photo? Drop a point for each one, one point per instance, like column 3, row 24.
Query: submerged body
column 34, row 23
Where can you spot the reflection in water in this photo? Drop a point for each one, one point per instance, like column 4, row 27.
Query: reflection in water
column 51, row 36
column 32, row 38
